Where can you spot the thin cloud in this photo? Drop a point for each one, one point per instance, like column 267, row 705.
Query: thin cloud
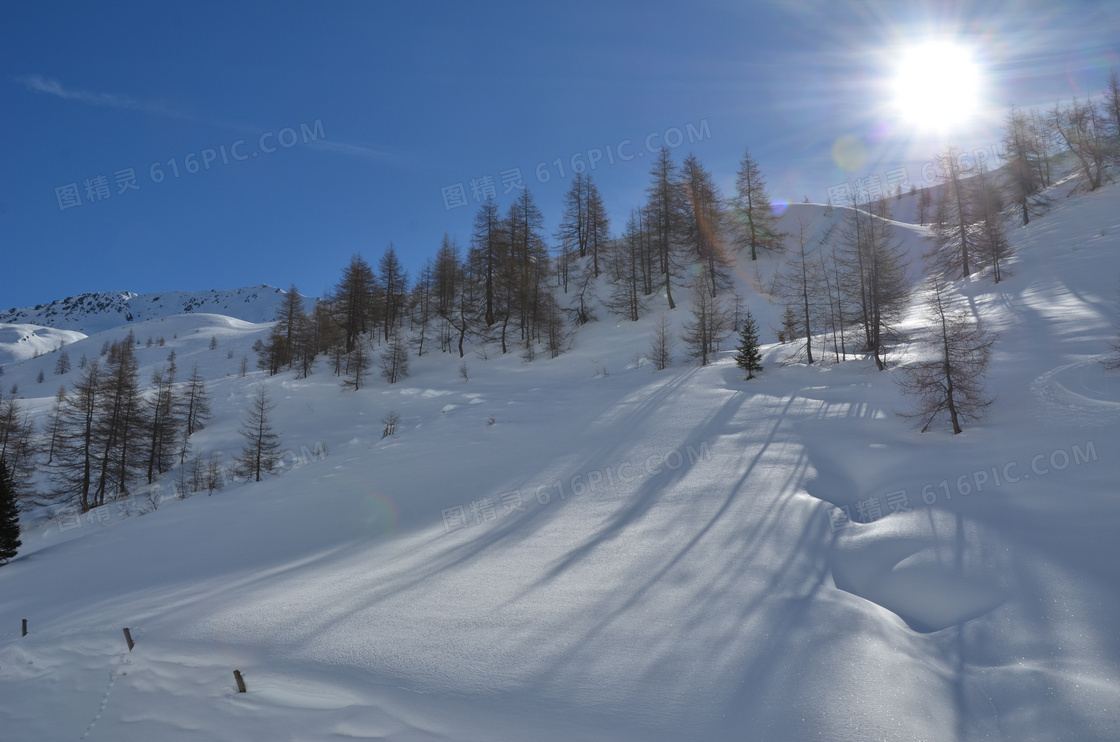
column 51, row 86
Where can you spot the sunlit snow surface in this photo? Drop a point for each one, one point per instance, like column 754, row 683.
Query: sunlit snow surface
column 638, row 555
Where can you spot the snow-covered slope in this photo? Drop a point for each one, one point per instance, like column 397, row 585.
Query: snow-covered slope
column 582, row 548
column 93, row 312
column 21, row 342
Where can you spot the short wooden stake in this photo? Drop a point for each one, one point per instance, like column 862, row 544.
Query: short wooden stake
column 128, row 638
column 24, row 628
column 240, row 681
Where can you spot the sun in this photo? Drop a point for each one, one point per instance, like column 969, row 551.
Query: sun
column 936, row 86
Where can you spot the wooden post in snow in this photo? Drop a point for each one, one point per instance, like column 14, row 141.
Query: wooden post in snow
column 240, row 681
column 128, row 638
column 24, row 628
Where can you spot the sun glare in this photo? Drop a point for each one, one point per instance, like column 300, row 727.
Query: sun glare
column 936, row 86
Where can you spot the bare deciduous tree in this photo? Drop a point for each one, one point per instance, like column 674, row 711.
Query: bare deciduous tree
column 357, row 365
column 953, row 249
column 662, row 343
column 951, row 382
column 799, row 284
column 1081, row 129
column 709, row 324
column 1022, row 150
column 394, row 359
column 872, row 274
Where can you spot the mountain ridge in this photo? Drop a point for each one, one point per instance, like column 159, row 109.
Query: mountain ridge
column 94, row 312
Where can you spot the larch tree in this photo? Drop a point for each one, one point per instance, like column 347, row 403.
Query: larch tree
column 888, row 288
column 575, row 245
column 951, row 383
column 709, row 323
column 872, row 274
column 1046, row 139
column 309, row 339
column 393, row 281
column 120, row 423
column 17, row 445
column 1080, row 128
column 357, row 366
column 194, row 406
column 353, row 300
column 422, row 306
column 837, row 308
column 488, row 254
column 754, row 218
column 75, row 457
column 54, row 425
column 394, row 359
column 992, row 245
column 290, row 342
column 598, row 226
column 624, row 272
column 447, row 282
column 791, row 328
column 953, row 251
column 526, row 277
column 662, row 343
column 324, row 334
column 290, row 320
column 464, row 315
column 798, row 283
column 925, row 204
column 594, row 240
column 664, row 212
column 572, row 234
column 455, row 305
column 703, row 226
column 262, row 443
column 1021, row 150
column 164, row 426
column 62, row 365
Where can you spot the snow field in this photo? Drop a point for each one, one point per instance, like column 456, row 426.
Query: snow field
column 716, row 599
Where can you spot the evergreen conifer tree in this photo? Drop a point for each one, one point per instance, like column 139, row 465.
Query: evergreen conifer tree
column 749, row 355
column 9, row 515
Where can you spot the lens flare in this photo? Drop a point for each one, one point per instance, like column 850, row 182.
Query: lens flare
column 380, row 514
column 849, row 153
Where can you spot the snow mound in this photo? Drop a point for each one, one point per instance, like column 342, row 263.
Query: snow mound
column 23, row 342
column 919, row 568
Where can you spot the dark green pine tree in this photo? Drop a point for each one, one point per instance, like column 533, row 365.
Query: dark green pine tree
column 749, row 356
column 9, row 515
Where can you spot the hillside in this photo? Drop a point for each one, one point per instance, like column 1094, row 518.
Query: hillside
column 583, row 548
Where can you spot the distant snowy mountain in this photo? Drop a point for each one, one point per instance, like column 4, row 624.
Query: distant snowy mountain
column 94, row 312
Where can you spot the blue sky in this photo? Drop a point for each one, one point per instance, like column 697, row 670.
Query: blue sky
column 305, row 132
